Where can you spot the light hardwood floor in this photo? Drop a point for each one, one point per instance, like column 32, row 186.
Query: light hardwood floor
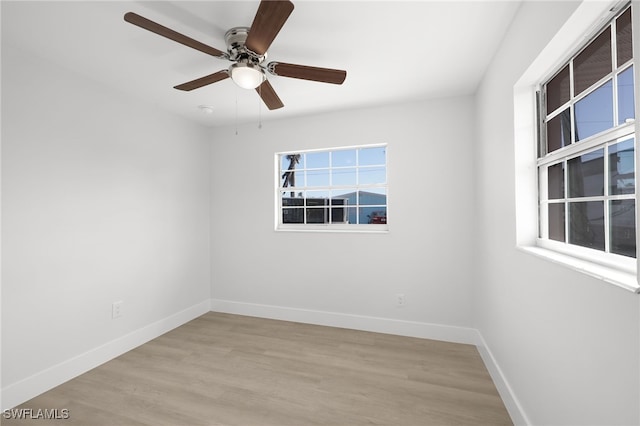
column 224, row 369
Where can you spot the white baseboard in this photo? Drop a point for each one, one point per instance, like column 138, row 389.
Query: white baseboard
column 422, row 330
column 28, row 388
column 511, row 402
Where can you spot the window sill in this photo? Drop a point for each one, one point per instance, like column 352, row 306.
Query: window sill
column 366, row 229
column 620, row 278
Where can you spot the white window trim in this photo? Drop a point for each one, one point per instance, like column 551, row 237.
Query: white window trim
column 333, row 227
column 588, row 19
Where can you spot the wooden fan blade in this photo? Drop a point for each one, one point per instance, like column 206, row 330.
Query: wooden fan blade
column 203, row 81
column 269, row 96
column 269, row 19
column 324, row 75
column 154, row 27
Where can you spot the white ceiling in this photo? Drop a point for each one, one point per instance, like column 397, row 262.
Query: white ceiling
column 393, row 51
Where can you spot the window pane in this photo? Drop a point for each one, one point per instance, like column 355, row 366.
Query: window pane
column 292, row 201
column 373, row 215
column 586, row 174
column 292, row 178
column 558, row 90
column 623, row 34
column 293, row 193
column 371, row 175
column 368, row 198
column 288, row 174
column 350, row 196
column 352, row 215
column 287, row 160
column 315, row 202
column 372, row 156
column 594, row 113
column 555, row 181
column 556, row 222
column 292, row 214
column 317, row 177
column 339, row 215
column 621, row 168
column 343, row 158
column 593, row 63
column 339, row 201
column 586, row 224
column 623, row 227
column 317, row 215
column 343, row 177
column 626, row 107
column 559, row 131
column 317, row 195
column 317, row 160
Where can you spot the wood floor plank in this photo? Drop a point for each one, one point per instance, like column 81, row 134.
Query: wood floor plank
column 222, row 369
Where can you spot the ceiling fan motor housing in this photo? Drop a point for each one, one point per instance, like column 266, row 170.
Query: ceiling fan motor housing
column 235, row 39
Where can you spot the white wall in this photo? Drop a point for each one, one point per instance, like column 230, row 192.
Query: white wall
column 567, row 344
column 425, row 255
column 103, row 199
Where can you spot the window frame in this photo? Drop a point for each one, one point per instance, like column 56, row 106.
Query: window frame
column 330, row 227
column 577, row 147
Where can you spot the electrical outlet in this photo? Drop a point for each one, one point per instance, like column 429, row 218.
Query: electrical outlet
column 116, row 309
column 400, row 300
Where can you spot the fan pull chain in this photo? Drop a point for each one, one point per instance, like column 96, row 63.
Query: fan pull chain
column 260, row 107
column 236, row 111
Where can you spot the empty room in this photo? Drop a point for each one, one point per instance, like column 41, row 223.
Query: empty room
column 319, row 212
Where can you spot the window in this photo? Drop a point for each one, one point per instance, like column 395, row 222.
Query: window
column 332, row 189
column 586, row 153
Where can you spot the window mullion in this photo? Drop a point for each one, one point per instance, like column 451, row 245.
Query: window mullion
column 587, row 144
column 567, row 211
column 615, row 68
column 572, row 95
column 606, row 210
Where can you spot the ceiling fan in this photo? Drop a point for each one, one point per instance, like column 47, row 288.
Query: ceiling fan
column 247, row 49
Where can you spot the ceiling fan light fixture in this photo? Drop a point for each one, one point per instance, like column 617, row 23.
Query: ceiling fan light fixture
column 246, row 75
